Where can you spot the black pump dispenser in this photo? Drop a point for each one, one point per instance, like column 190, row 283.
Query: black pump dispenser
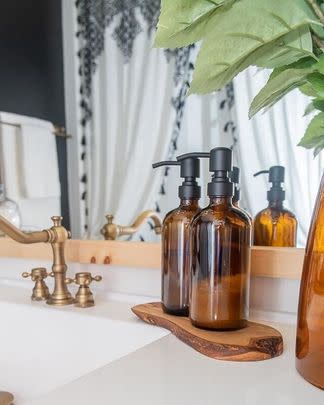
column 189, row 170
column 220, row 162
column 276, row 177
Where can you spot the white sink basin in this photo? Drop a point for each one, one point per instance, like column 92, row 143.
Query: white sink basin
column 42, row 348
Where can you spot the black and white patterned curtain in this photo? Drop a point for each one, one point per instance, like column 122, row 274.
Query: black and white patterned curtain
column 128, row 19
column 94, row 16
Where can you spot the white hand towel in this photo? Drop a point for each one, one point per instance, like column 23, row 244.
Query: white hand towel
column 33, row 149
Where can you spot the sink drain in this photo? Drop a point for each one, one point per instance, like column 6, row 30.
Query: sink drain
column 6, row 398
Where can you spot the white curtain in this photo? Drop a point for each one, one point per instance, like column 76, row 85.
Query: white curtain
column 131, row 127
column 271, row 139
column 209, row 121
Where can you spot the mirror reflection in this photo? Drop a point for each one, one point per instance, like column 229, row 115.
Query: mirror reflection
column 87, row 105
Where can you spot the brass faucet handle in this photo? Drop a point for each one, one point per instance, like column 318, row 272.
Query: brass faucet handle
column 38, row 273
column 40, row 290
column 84, row 296
column 85, row 278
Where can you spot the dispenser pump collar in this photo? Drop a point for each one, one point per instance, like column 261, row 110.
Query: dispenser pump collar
column 220, row 162
column 276, row 177
column 189, row 170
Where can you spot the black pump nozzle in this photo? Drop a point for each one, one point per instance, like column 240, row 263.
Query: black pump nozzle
column 189, row 170
column 220, row 162
column 276, row 177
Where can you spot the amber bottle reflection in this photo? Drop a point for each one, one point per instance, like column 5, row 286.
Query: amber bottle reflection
column 310, row 325
column 220, row 269
column 235, row 179
column 175, row 257
column 275, row 226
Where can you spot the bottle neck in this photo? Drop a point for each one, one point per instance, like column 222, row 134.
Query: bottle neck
column 221, row 201
column 276, row 204
column 189, row 202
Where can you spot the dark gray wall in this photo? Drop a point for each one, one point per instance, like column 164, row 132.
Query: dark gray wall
column 31, row 68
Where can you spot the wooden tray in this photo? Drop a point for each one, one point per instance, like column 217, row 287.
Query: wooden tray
column 253, row 343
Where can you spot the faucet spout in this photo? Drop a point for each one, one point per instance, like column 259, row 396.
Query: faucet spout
column 112, row 231
column 22, row 237
column 139, row 221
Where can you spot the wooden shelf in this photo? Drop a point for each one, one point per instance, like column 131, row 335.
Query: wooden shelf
column 265, row 261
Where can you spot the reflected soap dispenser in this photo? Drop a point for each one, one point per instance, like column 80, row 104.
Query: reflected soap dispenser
column 175, row 239
column 235, row 179
column 220, row 254
column 275, row 225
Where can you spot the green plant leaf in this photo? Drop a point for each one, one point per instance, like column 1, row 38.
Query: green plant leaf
column 182, row 22
column 320, row 64
column 319, row 31
column 318, row 148
column 318, row 103
column 274, row 30
column 278, row 85
column 314, row 135
column 307, row 90
column 316, row 81
column 289, row 48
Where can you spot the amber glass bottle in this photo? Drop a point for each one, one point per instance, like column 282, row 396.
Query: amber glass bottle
column 310, row 325
column 176, row 239
column 275, row 225
column 175, row 257
column 220, row 242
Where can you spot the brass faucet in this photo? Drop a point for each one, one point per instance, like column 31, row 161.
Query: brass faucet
column 56, row 236
column 112, row 231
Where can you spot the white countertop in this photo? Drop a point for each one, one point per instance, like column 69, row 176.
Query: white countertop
column 125, row 361
column 169, row 372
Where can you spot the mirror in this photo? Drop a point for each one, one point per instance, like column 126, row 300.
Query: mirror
column 124, row 104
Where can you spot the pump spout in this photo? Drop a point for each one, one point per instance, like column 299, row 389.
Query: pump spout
column 165, row 163
column 193, row 155
column 189, row 171
column 261, row 172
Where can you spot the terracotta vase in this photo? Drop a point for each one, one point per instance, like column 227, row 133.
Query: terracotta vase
column 310, row 324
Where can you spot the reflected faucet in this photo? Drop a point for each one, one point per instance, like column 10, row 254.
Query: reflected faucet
column 56, row 236
column 111, row 231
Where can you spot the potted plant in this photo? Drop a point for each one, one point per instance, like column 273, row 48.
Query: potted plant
column 286, row 36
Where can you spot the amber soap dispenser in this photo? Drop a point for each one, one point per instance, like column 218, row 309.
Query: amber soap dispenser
column 176, row 237
column 220, row 243
column 275, row 225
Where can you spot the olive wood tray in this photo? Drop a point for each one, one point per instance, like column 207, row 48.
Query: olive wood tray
column 253, row 343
